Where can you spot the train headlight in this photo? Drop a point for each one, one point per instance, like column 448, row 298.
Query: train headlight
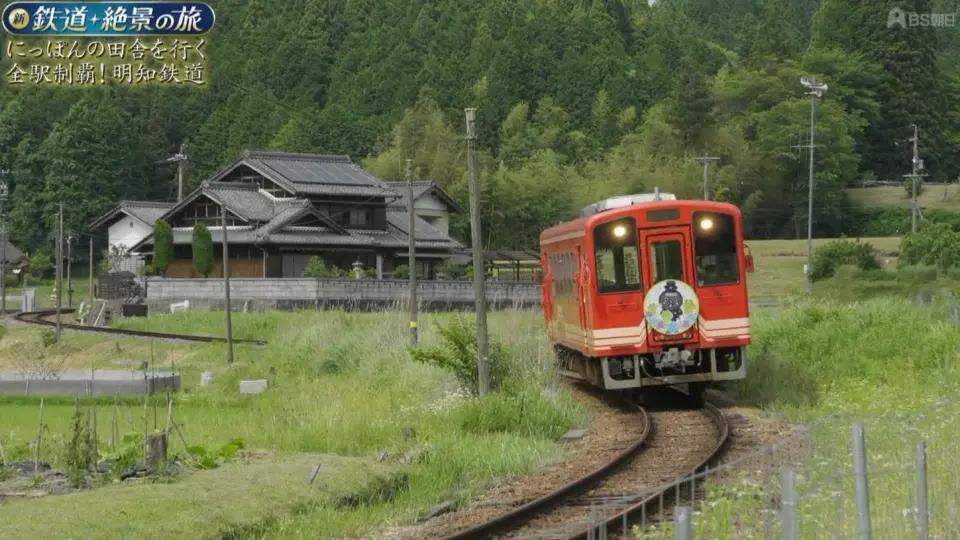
column 619, row 231
column 706, row 224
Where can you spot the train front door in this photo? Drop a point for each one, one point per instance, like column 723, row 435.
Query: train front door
column 669, row 270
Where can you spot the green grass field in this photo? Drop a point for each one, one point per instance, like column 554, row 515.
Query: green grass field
column 341, row 384
column 779, row 263
column 343, row 388
column 942, row 197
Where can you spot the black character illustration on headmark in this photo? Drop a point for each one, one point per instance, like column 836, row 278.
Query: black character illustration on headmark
column 671, row 300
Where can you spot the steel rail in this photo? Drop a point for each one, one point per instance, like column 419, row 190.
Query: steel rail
column 38, row 317
column 524, row 513
column 642, row 507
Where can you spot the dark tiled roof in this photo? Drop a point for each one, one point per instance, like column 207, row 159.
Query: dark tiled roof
column 314, row 174
column 11, row 253
column 420, row 188
column 146, row 211
column 271, row 223
column 400, row 220
column 245, row 200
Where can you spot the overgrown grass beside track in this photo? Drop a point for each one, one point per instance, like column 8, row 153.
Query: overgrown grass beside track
column 340, row 384
column 886, row 363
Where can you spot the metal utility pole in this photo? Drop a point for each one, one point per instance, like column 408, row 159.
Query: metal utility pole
column 412, row 261
column 69, row 271
column 706, row 174
column 59, row 266
column 3, row 245
column 226, row 285
column 179, row 158
column 816, row 90
column 476, row 241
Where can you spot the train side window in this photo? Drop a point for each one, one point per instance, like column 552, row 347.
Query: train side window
column 617, row 256
column 715, row 249
column 667, row 260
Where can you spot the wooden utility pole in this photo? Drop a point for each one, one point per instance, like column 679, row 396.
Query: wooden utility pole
column 412, row 261
column 226, row 285
column 479, row 273
column 706, row 174
column 59, row 266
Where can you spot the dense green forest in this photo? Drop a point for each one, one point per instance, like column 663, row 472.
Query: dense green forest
column 577, row 100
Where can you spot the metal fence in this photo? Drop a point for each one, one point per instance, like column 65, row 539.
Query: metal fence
column 844, row 476
column 866, row 476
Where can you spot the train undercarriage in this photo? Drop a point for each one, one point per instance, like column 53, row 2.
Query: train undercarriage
column 672, row 367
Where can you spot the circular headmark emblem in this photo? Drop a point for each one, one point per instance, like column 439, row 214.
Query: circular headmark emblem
column 18, row 18
column 671, row 307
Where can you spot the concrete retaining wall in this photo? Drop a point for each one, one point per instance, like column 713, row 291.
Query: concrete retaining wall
column 122, row 385
column 362, row 295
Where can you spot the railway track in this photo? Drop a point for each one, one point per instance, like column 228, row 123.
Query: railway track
column 41, row 318
column 675, row 444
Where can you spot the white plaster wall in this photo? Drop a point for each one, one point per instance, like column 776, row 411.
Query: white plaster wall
column 127, row 231
column 434, row 212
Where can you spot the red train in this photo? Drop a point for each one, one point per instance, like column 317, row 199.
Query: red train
column 647, row 290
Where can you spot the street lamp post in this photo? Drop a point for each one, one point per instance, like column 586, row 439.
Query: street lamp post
column 816, row 90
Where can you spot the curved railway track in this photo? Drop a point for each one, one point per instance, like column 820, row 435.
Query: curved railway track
column 40, row 318
column 674, row 446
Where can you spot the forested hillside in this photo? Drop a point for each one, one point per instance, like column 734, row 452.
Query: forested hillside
column 576, row 99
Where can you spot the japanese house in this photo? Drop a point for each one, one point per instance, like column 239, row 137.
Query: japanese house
column 283, row 208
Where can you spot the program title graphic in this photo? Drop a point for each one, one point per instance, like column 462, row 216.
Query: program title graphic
column 106, row 43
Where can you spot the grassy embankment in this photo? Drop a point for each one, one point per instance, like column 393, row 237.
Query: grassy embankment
column 939, row 197
column 341, row 384
column 884, row 362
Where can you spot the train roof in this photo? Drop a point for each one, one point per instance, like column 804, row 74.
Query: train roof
column 589, row 221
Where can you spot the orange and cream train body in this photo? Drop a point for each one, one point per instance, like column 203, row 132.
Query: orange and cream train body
column 647, row 290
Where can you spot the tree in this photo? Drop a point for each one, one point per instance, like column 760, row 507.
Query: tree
column 40, row 264
column 162, row 246
column 202, row 249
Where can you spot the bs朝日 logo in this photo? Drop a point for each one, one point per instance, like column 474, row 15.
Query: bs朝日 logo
column 671, row 307
column 896, row 17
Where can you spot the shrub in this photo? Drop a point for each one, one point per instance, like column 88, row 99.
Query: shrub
column 11, row 281
column 917, row 274
column 876, row 275
column 451, row 270
column 934, row 244
column 162, row 245
column 953, row 272
column 202, row 249
column 830, row 256
column 402, row 271
column 524, row 412
column 908, row 187
column 316, row 268
column 460, row 355
column 47, row 337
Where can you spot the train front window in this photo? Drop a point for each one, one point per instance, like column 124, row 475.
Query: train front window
column 617, row 256
column 667, row 258
column 715, row 249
